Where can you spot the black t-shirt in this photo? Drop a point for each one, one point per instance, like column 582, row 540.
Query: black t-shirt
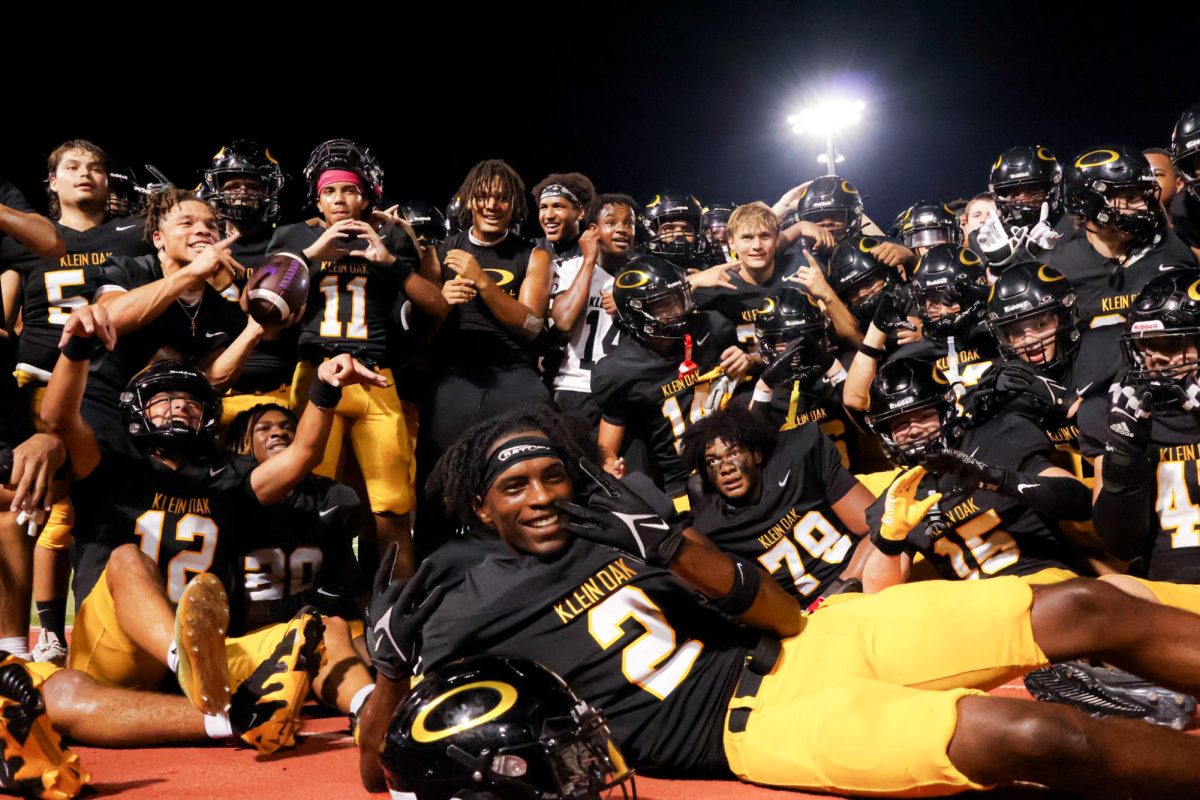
column 792, row 530
column 300, row 552
column 628, row 638
column 349, row 301
column 216, row 323
column 1105, row 290
column 189, row 520
column 1173, row 552
column 972, row 533
column 53, row 287
column 471, row 336
column 641, row 390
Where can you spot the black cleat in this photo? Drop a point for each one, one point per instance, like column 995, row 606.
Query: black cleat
column 1110, row 692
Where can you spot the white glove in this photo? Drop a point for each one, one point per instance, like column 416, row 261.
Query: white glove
column 1000, row 247
column 1043, row 234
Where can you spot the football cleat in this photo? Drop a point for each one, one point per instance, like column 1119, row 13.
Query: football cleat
column 34, row 762
column 1110, row 692
column 201, row 620
column 266, row 707
column 49, row 650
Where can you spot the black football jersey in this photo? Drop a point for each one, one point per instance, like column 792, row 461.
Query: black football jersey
column 642, row 390
column 791, row 407
column 740, row 306
column 972, row 533
column 300, row 552
column 216, row 323
column 1174, row 549
column 189, row 520
column 1105, row 290
column 471, row 334
column 628, row 638
column 974, row 356
column 349, row 301
column 53, row 287
column 792, row 530
column 272, row 362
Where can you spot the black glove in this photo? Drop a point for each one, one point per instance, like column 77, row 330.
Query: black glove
column 949, row 461
column 630, row 515
column 1017, row 379
column 1188, row 392
column 1129, row 419
column 395, row 615
column 889, row 314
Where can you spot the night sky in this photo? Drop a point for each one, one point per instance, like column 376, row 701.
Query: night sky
column 640, row 96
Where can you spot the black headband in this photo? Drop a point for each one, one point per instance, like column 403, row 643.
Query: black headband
column 514, row 451
column 558, row 190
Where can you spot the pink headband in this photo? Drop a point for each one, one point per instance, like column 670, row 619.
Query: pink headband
column 339, row 176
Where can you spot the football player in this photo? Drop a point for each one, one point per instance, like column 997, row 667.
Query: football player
column 1123, row 242
column 989, row 494
column 671, row 366
column 498, row 286
column 1026, row 183
column 781, row 699
column 949, row 289
column 562, row 202
column 1165, row 173
column 672, row 224
column 1185, row 156
column 154, row 515
column 51, row 287
column 925, row 225
column 714, row 222
column 357, row 277
column 781, row 500
column 580, row 287
column 978, row 209
column 300, row 552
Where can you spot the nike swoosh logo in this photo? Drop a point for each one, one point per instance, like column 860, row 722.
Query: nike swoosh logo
column 381, row 629
column 786, row 475
column 125, row 227
column 1021, row 487
column 327, row 594
column 208, row 335
column 326, row 512
column 703, row 339
column 630, row 521
column 1080, row 391
column 1161, row 267
column 214, row 472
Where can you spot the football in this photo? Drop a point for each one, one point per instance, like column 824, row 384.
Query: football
column 278, row 289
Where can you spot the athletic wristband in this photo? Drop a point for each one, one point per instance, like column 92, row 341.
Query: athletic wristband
column 324, row 395
column 1058, row 496
column 761, row 396
column 873, row 352
column 746, row 582
column 1127, row 474
column 79, row 349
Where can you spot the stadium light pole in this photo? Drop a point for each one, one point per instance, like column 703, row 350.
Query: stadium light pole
column 826, row 118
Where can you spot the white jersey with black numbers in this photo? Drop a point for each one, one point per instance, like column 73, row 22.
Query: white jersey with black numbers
column 595, row 334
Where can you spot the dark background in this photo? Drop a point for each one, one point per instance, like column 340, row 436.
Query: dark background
column 640, row 96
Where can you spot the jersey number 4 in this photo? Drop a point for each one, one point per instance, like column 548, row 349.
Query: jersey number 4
column 189, row 528
column 331, row 325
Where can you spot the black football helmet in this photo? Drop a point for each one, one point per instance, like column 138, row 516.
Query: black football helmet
column 852, row 267
column 653, row 300
column 789, row 314
column 348, row 155
column 1099, row 173
column 427, row 222
column 927, row 224
column 956, row 276
column 1021, row 180
column 902, row 386
column 126, row 195
column 713, row 220
column 1167, row 313
column 1027, row 290
column 506, row 728
column 832, row 198
column 174, row 435
column 1185, row 150
column 454, row 211
column 689, row 251
column 241, row 158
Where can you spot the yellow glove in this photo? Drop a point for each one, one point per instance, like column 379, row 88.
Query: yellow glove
column 901, row 510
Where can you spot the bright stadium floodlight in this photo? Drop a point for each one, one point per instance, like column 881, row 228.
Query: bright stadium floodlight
column 825, row 118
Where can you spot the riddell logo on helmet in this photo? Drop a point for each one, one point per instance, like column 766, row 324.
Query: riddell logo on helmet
column 904, row 401
column 1147, row 325
column 1020, row 175
column 1016, row 306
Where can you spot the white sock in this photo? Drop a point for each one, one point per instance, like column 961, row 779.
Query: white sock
column 173, row 658
column 17, row 645
column 218, row 726
column 360, row 697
